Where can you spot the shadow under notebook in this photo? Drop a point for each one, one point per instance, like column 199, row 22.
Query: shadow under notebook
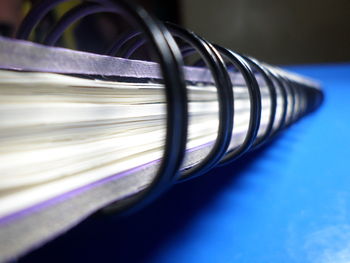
column 139, row 237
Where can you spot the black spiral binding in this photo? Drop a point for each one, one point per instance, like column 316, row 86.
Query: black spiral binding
column 273, row 97
column 175, row 89
column 218, row 153
column 300, row 97
column 222, row 81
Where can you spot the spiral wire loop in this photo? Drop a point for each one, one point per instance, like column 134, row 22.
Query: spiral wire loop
column 225, row 98
column 296, row 98
column 212, row 58
column 273, row 97
column 175, row 89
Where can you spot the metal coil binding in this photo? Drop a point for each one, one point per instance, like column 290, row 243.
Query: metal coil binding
column 175, row 89
column 196, row 44
column 297, row 98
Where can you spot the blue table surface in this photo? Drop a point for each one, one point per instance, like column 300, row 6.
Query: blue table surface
column 288, row 202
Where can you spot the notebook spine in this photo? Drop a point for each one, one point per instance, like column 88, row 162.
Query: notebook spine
column 297, row 96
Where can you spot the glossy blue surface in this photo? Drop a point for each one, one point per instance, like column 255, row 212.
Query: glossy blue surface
column 288, row 202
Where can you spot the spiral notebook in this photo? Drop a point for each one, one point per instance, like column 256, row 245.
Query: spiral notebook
column 83, row 133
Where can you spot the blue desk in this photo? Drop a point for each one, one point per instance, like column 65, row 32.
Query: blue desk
column 288, row 202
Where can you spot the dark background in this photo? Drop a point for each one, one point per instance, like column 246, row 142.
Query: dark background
column 278, row 32
column 282, row 32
